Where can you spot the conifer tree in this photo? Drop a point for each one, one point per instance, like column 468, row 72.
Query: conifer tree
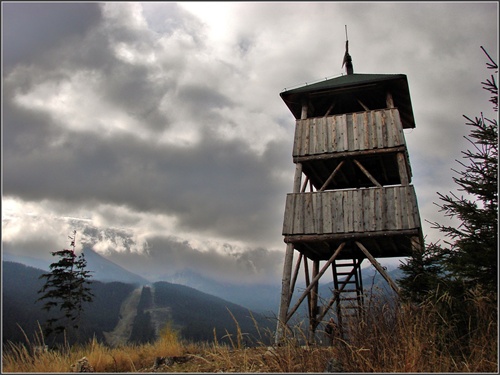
column 471, row 259
column 468, row 259
column 66, row 288
column 423, row 273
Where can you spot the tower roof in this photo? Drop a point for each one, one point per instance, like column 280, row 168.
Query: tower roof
column 346, row 91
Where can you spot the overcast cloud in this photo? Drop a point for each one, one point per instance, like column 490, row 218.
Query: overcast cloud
column 156, row 130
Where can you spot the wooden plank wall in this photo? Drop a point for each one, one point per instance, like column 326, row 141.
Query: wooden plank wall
column 348, row 132
column 354, row 210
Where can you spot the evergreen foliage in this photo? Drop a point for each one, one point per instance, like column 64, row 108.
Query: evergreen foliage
column 467, row 262
column 67, row 288
column 21, row 316
column 471, row 259
column 422, row 274
column 459, row 278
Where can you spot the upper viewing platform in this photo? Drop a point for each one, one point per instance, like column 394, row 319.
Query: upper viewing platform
column 352, row 93
column 348, row 132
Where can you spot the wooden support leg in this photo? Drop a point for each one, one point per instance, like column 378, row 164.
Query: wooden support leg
column 403, row 171
column 313, row 306
column 285, row 293
column 287, row 269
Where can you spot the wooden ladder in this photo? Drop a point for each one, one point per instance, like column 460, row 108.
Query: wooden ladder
column 348, row 291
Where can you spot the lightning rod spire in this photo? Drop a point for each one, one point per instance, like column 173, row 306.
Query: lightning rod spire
column 347, row 58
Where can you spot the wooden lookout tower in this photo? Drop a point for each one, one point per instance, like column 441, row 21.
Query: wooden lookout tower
column 352, row 198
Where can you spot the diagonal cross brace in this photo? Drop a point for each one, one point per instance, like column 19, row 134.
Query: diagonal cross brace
column 314, row 281
column 378, row 267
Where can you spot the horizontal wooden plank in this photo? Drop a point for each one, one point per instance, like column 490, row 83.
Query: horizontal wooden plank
column 389, row 208
column 369, row 130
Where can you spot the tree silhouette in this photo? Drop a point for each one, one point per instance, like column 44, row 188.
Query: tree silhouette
column 468, row 258
column 471, row 258
column 66, row 288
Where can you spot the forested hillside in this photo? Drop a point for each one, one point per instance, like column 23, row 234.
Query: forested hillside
column 195, row 314
column 198, row 314
column 20, row 285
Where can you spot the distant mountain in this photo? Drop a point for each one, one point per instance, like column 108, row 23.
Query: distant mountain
column 26, row 260
column 263, row 298
column 106, row 271
column 102, row 269
column 197, row 315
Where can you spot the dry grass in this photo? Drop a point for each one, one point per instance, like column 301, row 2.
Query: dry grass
column 391, row 339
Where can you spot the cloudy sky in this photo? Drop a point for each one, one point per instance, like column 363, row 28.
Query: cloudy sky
column 157, row 132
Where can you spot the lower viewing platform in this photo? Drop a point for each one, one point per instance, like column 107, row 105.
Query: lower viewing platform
column 385, row 220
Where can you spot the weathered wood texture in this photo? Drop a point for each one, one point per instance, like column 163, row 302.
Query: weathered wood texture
column 389, row 208
column 348, row 132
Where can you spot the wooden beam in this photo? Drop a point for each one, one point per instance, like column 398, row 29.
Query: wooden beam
column 303, row 114
column 313, row 307
column 378, row 267
column 362, row 105
column 403, row 171
column 304, row 185
column 314, row 281
column 345, row 236
column 308, row 282
column 297, row 178
column 329, row 109
column 389, row 100
column 367, row 174
column 332, row 176
column 295, row 274
column 287, row 265
column 285, row 292
column 314, row 291
column 344, row 154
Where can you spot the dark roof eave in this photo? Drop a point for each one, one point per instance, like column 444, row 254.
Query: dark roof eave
column 293, row 97
column 345, row 81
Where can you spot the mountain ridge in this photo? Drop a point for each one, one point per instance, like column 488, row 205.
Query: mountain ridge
column 258, row 297
column 196, row 314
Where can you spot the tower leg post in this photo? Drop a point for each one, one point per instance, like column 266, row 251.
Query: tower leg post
column 285, row 294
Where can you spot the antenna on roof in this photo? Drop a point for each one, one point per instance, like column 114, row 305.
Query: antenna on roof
column 347, row 58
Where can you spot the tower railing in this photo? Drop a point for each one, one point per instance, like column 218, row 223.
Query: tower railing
column 357, row 131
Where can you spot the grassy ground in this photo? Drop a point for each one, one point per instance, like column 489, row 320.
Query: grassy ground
column 392, row 339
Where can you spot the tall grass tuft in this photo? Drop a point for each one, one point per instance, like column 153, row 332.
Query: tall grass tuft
column 396, row 337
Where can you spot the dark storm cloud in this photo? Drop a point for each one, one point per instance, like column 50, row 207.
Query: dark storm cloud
column 219, row 186
column 251, row 265
column 216, row 186
column 131, row 89
column 29, row 29
column 164, row 123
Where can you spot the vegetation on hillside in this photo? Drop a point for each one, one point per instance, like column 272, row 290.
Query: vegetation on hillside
column 20, row 284
column 394, row 339
column 66, row 290
column 459, row 278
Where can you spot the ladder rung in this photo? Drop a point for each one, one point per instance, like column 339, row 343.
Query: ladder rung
column 349, row 299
